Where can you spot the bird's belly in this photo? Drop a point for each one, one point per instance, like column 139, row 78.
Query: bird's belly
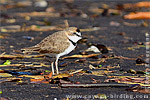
column 68, row 50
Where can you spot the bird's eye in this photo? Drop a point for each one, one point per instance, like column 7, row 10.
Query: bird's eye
column 78, row 30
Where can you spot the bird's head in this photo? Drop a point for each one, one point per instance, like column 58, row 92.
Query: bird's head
column 73, row 33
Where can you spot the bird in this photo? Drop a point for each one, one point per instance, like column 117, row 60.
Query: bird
column 58, row 44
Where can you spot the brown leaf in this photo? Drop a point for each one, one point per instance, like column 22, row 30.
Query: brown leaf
column 146, row 90
column 38, row 14
column 62, row 75
column 33, row 76
column 138, row 15
column 38, row 81
column 2, row 56
column 137, row 5
column 5, row 75
column 49, row 75
column 9, row 79
column 100, row 72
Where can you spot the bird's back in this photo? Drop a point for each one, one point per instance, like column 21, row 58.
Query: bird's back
column 54, row 43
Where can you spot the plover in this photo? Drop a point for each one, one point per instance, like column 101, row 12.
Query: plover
column 58, row 44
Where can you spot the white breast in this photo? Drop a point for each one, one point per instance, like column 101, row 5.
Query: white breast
column 71, row 47
column 68, row 50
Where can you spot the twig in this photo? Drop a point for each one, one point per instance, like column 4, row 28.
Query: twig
column 32, row 28
column 9, row 79
column 37, row 14
column 19, row 56
column 92, row 29
column 77, row 71
column 130, row 24
column 91, row 85
column 121, row 57
column 14, row 65
column 81, row 56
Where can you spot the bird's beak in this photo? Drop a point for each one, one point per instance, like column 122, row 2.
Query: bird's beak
column 82, row 40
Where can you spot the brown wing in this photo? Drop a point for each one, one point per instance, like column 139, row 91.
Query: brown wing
column 55, row 43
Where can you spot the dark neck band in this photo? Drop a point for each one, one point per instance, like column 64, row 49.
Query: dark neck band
column 74, row 43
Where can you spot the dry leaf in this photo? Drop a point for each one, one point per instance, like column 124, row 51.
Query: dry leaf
column 91, row 66
column 38, row 14
column 62, row 75
column 49, row 75
column 130, row 80
column 9, row 79
column 33, row 76
column 38, row 81
column 138, row 15
column 137, row 5
column 145, row 90
column 110, row 11
column 77, row 71
column 2, row 56
column 5, row 75
column 100, row 72
column 81, row 56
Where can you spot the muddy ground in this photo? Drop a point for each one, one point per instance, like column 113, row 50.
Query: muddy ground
column 116, row 37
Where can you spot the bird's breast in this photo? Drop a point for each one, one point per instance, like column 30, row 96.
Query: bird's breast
column 68, row 50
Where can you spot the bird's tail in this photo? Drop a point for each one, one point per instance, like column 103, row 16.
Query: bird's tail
column 30, row 50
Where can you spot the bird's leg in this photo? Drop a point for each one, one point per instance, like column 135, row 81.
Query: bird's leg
column 52, row 65
column 56, row 65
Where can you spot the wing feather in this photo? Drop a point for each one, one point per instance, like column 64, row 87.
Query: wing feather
column 55, row 43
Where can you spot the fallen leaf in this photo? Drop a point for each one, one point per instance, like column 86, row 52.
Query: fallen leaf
column 38, row 81
column 132, row 71
column 139, row 88
column 92, row 29
column 130, row 80
column 100, row 72
column 4, row 98
column 49, row 75
column 15, row 65
column 62, row 75
column 108, row 11
column 5, row 75
column 2, row 56
column 130, row 24
column 138, row 15
column 77, row 71
column 137, row 5
column 33, row 76
column 8, row 62
column 37, row 14
column 2, row 37
column 9, row 80
column 81, row 56
column 145, row 90
column 2, row 71
column 91, row 66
